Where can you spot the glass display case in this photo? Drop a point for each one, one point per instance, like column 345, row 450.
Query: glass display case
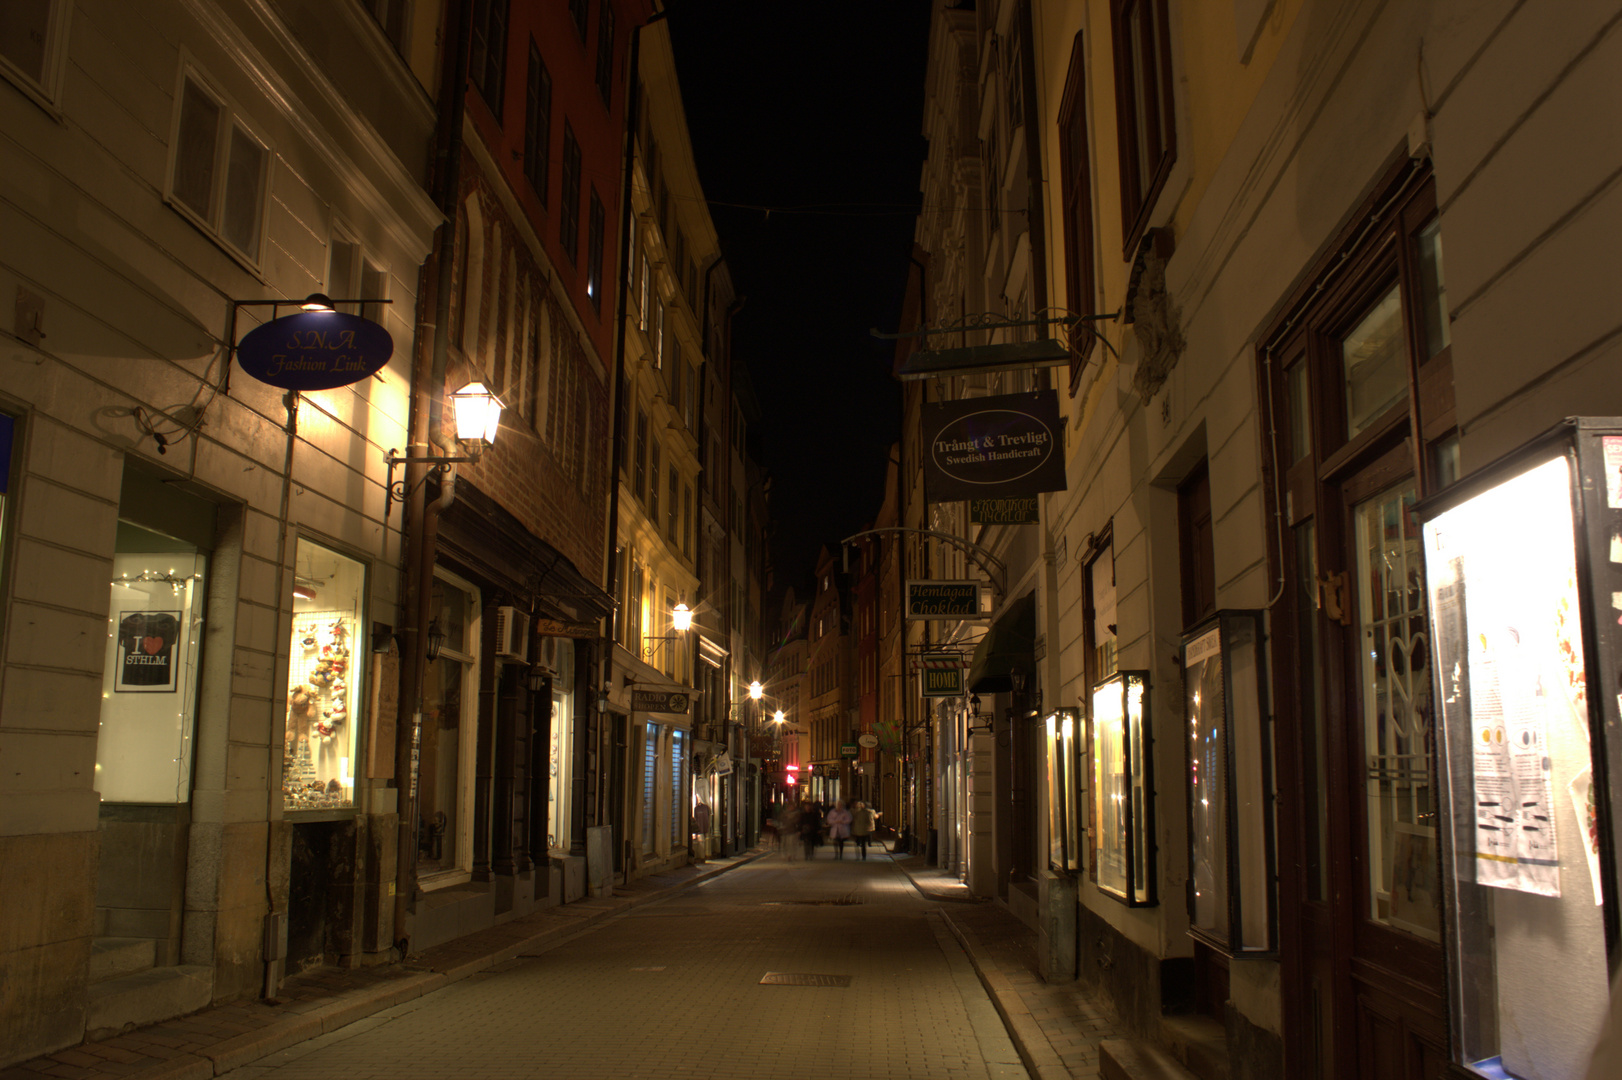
column 1523, row 565
column 1231, row 886
column 323, row 680
column 1123, row 788
column 1064, row 811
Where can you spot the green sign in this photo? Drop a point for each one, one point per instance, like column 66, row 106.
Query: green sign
column 942, row 682
column 943, row 600
column 848, row 750
column 1016, row 511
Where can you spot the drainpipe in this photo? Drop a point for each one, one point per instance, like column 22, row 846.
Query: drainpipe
column 633, row 119
column 422, row 520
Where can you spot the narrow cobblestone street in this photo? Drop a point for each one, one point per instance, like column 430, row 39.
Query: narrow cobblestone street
column 648, row 993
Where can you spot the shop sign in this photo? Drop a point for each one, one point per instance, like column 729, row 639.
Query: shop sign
column 943, row 600
column 942, row 682
column 868, row 741
column 315, row 350
column 993, row 447
column 666, row 701
column 722, row 765
column 1021, row 511
column 559, row 628
column 848, row 750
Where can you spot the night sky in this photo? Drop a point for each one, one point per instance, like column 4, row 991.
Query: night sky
column 805, row 125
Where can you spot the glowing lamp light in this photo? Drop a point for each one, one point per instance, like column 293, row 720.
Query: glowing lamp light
column 317, row 302
column 681, row 619
column 478, row 413
column 778, row 717
column 756, row 690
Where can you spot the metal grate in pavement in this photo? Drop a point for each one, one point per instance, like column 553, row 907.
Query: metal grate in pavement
column 795, row 978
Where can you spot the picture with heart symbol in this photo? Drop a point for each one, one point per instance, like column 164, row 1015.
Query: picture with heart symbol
column 146, row 652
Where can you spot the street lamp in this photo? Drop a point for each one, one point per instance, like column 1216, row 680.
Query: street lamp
column 478, row 418
column 681, row 621
column 756, row 690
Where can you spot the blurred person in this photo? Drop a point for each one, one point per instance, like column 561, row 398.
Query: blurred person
column 839, row 821
column 863, row 821
column 810, row 828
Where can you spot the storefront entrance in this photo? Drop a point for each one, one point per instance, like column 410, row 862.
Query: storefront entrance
column 1358, row 369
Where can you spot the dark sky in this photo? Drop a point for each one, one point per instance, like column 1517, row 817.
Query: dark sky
column 813, row 111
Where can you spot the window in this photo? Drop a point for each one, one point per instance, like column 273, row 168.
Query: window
column 645, row 283
column 605, row 52
column 450, row 708
column 993, row 184
column 324, row 679
column 219, row 170
column 687, row 521
column 579, row 12
column 673, row 520
column 487, row 66
column 392, row 17
column 594, row 253
column 633, row 622
column 1143, row 108
column 569, row 224
column 33, row 36
column 639, row 476
column 1077, row 191
column 1015, row 89
column 658, row 333
column 690, row 399
column 352, row 276
column 538, row 124
column 653, row 485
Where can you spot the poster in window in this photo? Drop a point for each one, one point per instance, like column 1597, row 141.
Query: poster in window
column 146, row 652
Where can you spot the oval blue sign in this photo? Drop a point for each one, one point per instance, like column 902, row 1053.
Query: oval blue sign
column 315, row 350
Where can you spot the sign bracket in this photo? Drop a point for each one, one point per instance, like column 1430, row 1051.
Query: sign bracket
column 984, row 559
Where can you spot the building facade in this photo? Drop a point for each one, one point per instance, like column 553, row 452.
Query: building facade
column 175, row 529
column 1249, row 204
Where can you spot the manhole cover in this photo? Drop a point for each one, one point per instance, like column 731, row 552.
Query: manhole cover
column 795, row 978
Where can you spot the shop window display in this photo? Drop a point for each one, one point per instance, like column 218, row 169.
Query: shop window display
column 323, row 680
column 149, row 681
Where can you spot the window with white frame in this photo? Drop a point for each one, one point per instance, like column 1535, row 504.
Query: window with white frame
column 352, row 275
column 219, row 169
column 33, row 43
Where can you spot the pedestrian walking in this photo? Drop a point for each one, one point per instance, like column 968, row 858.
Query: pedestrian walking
column 839, row 820
column 788, row 827
column 810, row 828
column 863, row 820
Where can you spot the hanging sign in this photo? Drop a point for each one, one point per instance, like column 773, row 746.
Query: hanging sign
column 315, row 350
column 669, row 701
column 1003, row 511
column 943, row 600
column 993, row 447
column 942, row 682
column 559, row 628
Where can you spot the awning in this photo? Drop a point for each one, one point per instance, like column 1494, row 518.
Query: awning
column 979, row 359
column 1010, row 644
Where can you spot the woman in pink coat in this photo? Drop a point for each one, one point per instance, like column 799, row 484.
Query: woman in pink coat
column 838, row 821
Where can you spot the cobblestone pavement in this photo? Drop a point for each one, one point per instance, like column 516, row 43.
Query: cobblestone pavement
column 1057, row 1027
column 662, row 980
column 674, row 990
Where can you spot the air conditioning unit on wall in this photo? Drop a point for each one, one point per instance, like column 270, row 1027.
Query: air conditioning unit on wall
column 548, row 658
column 512, row 634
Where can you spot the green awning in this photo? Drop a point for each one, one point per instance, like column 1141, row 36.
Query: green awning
column 1010, row 644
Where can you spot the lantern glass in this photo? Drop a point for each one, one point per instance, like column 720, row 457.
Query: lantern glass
column 478, row 414
column 1229, row 787
column 755, row 691
column 1123, row 788
column 681, row 619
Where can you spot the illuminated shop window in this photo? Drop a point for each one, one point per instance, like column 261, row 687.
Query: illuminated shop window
column 1123, row 788
column 149, row 682
column 323, row 680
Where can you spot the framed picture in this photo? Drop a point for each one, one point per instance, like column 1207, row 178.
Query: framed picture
column 147, row 652
column 1415, row 898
